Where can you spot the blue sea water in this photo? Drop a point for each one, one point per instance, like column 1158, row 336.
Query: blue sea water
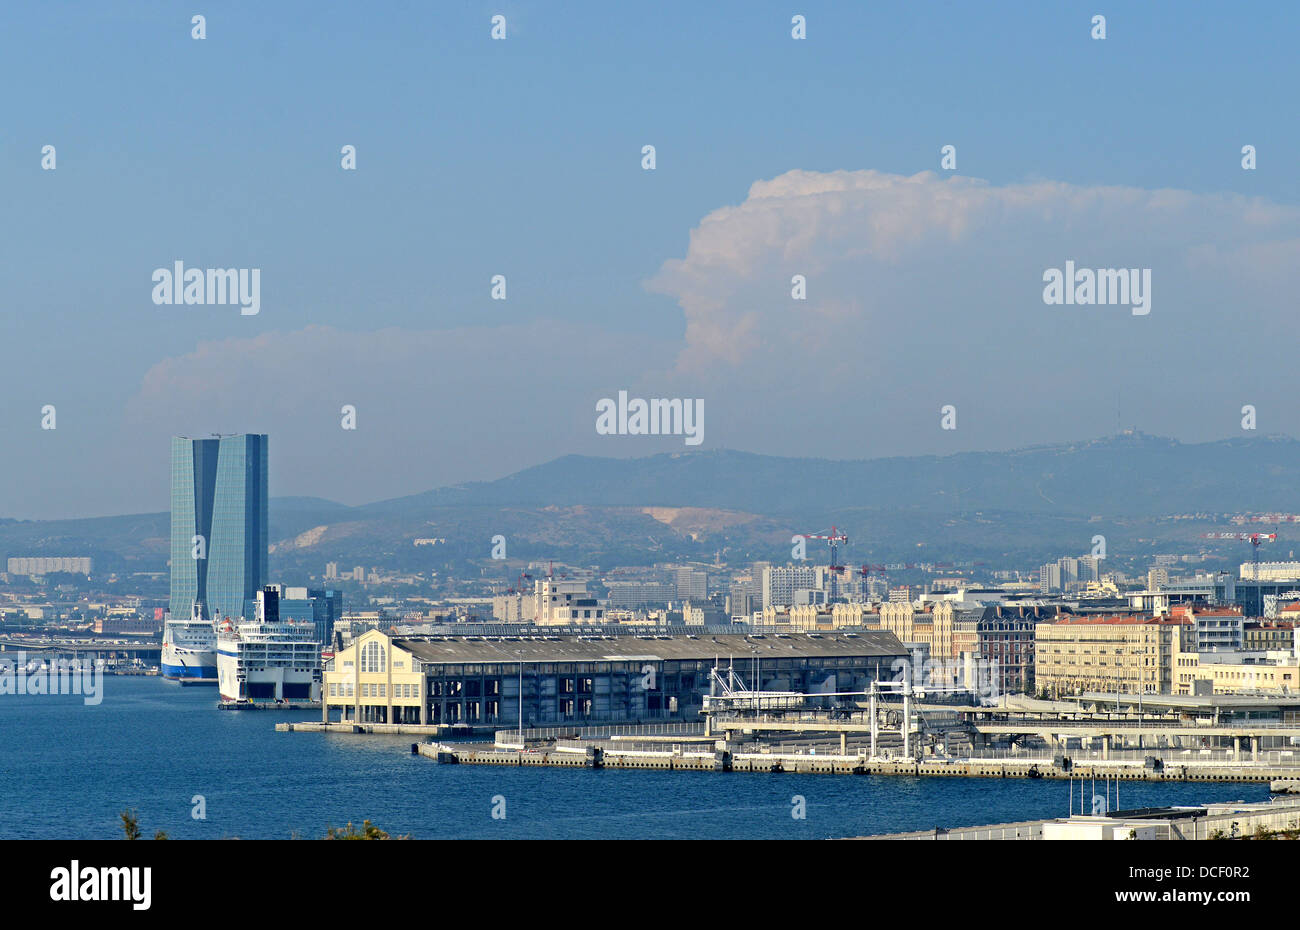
column 67, row 770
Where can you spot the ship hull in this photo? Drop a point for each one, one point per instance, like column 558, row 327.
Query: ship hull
column 189, row 665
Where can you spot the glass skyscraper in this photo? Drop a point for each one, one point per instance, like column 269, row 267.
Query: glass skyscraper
column 219, row 508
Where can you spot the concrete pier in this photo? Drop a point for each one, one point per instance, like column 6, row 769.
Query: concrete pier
column 392, row 729
column 576, row 754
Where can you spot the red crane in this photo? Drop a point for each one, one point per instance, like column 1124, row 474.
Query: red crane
column 866, row 570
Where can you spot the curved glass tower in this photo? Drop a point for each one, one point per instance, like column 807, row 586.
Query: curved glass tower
column 219, row 529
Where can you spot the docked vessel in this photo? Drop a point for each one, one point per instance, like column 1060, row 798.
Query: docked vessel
column 189, row 649
column 268, row 659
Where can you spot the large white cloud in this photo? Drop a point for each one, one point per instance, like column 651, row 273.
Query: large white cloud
column 889, row 257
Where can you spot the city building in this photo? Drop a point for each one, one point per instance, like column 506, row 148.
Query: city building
column 781, row 582
column 316, row 606
column 931, row 626
column 629, row 595
column 1270, row 571
column 1068, row 574
column 965, row 632
column 219, row 524
column 1219, row 589
column 1127, row 654
column 1005, row 640
column 1213, row 629
column 1276, row 672
column 806, row 597
column 45, row 565
column 573, row 679
column 515, row 607
column 1265, row 636
column 560, row 602
column 127, row 623
column 691, row 585
column 741, row 598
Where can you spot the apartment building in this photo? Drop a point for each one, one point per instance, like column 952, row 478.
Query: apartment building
column 930, row 627
column 1276, row 672
column 780, row 583
column 1124, row 654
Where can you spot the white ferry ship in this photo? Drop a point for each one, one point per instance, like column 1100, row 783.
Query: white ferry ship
column 268, row 659
column 189, row 649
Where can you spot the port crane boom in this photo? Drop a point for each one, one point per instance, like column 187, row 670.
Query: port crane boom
column 1253, row 538
column 834, row 538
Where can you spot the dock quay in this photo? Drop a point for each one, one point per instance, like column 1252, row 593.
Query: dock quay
column 818, row 748
column 706, row 757
column 431, row 730
column 649, row 730
column 1227, row 821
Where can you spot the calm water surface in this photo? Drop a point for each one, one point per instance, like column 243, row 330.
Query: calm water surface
column 67, row 770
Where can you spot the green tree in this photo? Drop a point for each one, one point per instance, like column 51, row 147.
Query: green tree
column 368, row 831
column 130, row 825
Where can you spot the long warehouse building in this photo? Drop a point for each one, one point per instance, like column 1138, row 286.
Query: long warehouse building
column 476, row 681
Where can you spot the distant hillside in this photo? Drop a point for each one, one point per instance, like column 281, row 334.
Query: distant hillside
column 1129, row 475
column 1004, row 507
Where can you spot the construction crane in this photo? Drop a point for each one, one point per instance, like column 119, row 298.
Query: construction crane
column 523, row 576
column 1253, row 538
column 866, row 570
column 834, row 539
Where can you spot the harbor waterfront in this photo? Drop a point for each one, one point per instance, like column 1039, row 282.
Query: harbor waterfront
column 154, row 746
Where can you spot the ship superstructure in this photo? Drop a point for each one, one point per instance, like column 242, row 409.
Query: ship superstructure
column 268, row 659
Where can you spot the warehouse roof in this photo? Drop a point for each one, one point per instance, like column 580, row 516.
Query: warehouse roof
column 865, row 643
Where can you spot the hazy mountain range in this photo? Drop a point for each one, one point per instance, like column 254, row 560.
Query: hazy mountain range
column 1026, row 504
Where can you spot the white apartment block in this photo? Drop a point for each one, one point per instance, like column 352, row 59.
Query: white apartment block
column 562, row 601
column 780, row 583
column 1264, row 571
column 691, row 585
column 44, row 565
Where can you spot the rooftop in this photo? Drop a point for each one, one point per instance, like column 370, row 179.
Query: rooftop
column 1128, row 620
column 869, row 643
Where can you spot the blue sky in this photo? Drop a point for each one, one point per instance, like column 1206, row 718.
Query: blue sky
column 522, row 157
